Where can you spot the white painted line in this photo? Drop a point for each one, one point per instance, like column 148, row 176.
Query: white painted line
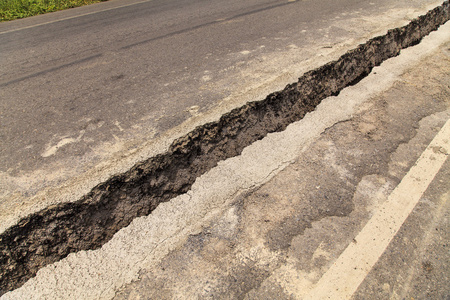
column 346, row 274
column 73, row 17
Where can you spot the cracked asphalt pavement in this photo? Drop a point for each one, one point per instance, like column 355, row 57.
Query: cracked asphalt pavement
column 283, row 219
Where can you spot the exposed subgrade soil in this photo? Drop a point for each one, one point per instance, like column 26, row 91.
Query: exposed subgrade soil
column 51, row 234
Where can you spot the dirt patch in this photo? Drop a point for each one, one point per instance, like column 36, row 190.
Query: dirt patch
column 53, row 233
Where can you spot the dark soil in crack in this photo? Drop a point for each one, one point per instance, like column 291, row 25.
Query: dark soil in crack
column 51, row 234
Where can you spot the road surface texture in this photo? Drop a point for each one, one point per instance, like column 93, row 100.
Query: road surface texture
column 88, row 96
column 270, row 223
column 282, row 219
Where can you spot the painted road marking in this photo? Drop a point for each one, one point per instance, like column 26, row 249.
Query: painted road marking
column 351, row 268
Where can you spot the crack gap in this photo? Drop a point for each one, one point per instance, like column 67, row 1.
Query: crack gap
column 51, row 234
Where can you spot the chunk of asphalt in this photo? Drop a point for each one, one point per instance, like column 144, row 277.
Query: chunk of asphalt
column 52, row 233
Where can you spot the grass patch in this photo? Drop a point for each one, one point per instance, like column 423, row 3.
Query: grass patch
column 17, row 9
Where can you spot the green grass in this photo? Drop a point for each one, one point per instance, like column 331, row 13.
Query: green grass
column 16, row 9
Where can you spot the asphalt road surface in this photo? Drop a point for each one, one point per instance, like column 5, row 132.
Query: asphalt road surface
column 88, row 92
column 81, row 87
column 351, row 202
column 87, row 79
